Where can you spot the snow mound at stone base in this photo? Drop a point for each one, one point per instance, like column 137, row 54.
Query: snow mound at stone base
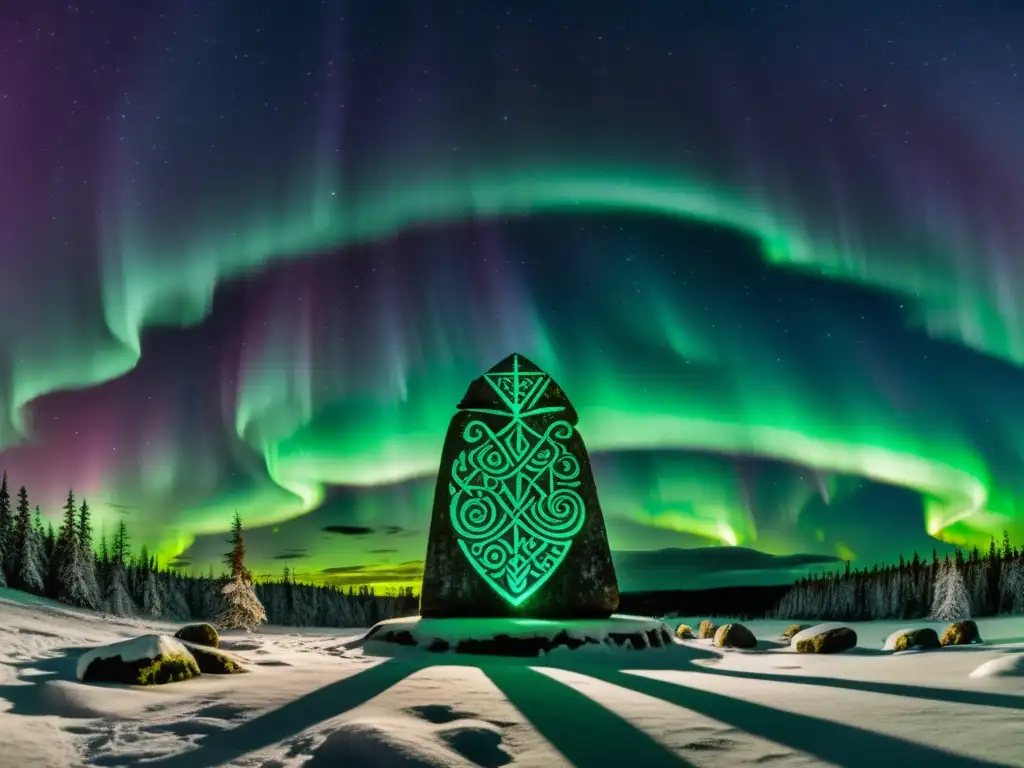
column 519, row 637
column 1008, row 665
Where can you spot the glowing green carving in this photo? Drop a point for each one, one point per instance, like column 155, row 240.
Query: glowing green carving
column 514, row 504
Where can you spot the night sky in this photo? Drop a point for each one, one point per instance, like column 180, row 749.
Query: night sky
column 251, row 254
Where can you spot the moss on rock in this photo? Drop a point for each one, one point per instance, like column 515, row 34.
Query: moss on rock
column 926, row 638
column 961, row 633
column 829, row 641
column 706, row 630
column 793, row 629
column 734, row 636
column 199, row 634
column 171, row 668
column 213, row 661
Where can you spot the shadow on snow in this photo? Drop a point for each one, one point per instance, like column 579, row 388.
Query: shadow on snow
column 583, row 730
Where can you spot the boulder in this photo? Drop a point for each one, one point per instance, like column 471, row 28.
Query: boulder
column 684, row 632
column 516, row 528
column 145, row 660
column 789, row 632
column 734, row 636
column 213, row 661
column 200, row 634
column 706, row 630
column 961, row 633
column 923, row 638
column 833, row 640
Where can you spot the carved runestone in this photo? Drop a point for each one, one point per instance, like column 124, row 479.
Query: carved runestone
column 516, row 529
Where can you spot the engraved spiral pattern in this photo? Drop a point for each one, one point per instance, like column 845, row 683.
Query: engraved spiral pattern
column 514, row 493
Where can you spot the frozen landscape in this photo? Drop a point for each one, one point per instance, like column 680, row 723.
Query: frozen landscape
column 310, row 701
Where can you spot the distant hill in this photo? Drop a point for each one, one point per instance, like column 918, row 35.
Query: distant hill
column 705, row 568
column 737, row 602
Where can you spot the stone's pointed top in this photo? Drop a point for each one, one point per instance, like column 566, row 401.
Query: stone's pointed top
column 518, row 385
column 514, row 362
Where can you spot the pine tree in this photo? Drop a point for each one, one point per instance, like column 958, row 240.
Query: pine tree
column 26, row 559
column 40, row 534
column 87, row 556
column 1011, row 586
column 103, row 563
column 51, row 542
column 73, row 585
column 175, row 605
column 978, row 575
column 6, row 530
column 152, row 599
column 952, row 602
column 65, row 565
column 117, row 598
column 64, row 548
column 120, row 551
column 243, row 609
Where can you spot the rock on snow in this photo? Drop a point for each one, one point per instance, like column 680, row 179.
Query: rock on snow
column 309, row 701
column 810, row 632
column 136, row 649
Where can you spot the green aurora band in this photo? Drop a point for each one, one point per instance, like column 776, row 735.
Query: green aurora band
column 152, row 277
column 176, row 171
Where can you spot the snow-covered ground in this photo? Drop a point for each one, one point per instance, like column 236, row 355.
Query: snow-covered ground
column 310, row 702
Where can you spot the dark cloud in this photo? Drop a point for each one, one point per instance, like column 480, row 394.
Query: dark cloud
column 124, row 509
column 712, row 566
column 721, row 559
column 381, row 551
column 291, row 554
column 179, row 563
column 408, row 572
column 348, row 530
column 365, row 530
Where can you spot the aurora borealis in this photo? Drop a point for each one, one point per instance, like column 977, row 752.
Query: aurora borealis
column 252, row 253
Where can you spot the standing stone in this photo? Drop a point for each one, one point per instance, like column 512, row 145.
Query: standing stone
column 516, row 528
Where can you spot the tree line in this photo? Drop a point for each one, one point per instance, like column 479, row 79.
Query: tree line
column 959, row 587
column 65, row 565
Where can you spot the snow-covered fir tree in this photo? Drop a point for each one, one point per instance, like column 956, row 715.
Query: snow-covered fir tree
column 952, row 601
column 175, row 605
column 64, row 560
column 73, row 586
column 152, row 597
column 878, row 602
column 243, row 609
column 208, row 601
column 40, row 531
column 86, row 555
column 6, row 530
column 978, row 581
column 359, row 615
column 116, row 596
column 27, row 555
column 276, row 602
column 982, row 583
column 1011, row 586
column 117, row 599
column 896, row 596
